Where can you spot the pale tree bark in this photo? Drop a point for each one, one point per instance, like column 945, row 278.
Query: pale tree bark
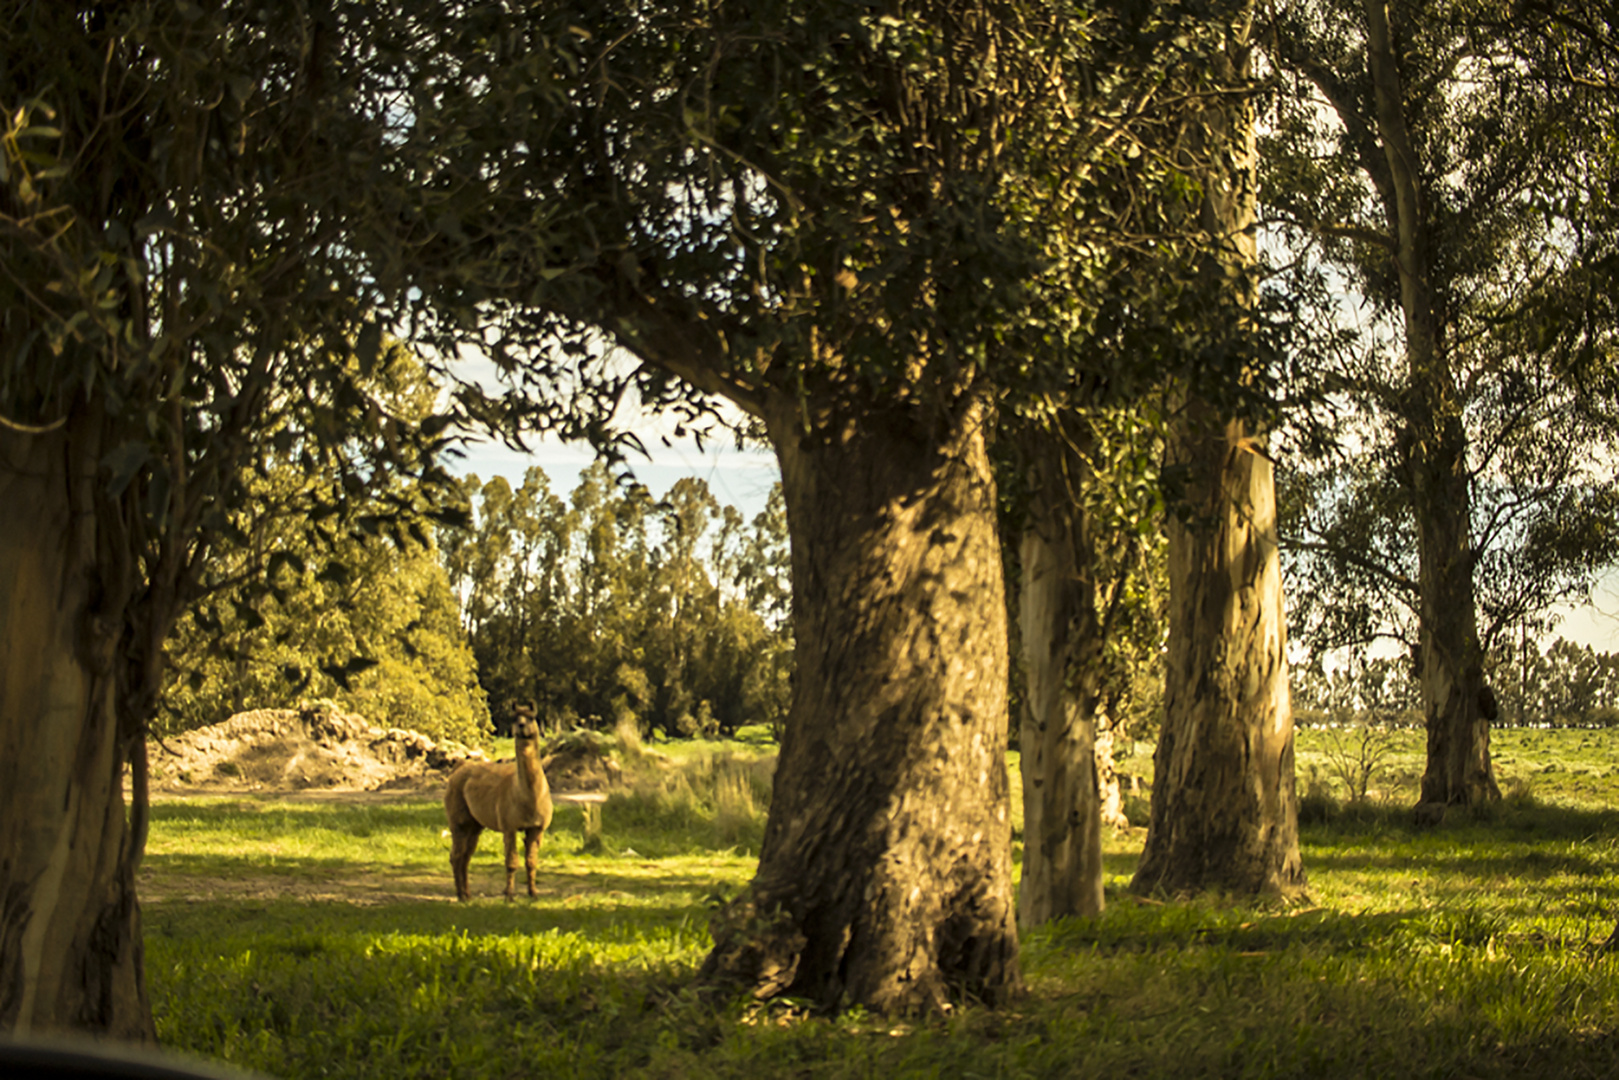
column 1224, row 810
column 1110, row 791
column 885, row 874
column 1061, row 645
column 1456, row 704
column 70, row 944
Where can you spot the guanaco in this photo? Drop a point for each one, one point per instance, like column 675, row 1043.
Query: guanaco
column 507, row 796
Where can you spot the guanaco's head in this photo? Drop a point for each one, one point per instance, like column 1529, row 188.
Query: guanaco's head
column 524, row 726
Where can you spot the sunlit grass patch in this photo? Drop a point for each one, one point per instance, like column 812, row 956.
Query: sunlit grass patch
column 262, row 829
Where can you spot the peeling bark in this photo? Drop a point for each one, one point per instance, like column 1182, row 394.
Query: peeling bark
column 1224, row 809
column 1061, row 653
column 1110, row 791
column 885, row 875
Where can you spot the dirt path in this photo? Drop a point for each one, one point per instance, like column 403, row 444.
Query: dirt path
column 360, row 885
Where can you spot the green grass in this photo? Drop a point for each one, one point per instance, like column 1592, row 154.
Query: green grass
column 1461, row 951
column 1558, row 765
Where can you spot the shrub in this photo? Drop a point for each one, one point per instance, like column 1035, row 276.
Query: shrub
column 1355, row 755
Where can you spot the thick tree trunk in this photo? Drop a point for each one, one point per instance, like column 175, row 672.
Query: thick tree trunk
column 885, row 876
column 1062, row 649
column 1224, row 811
column 70, row 945
column 1456, row 704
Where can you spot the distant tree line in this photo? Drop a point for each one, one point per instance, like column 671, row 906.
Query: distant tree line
column 604, row 607
column 610, row 606
column 1564, row 685
column 1560, row 685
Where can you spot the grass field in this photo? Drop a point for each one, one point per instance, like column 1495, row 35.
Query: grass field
column 313, row 939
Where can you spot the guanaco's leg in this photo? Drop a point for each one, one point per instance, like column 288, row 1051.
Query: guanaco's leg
column 531, row 853
column 463, row 842
column 511, row 862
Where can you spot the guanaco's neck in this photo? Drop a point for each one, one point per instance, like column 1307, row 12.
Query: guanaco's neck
column 528, row 767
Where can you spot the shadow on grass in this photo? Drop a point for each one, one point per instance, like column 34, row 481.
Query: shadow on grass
column 1516, row 839
column 1511, row 817
column 1480, row 860
column 1131, row 925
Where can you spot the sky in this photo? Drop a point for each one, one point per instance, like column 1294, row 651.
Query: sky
column 739, row 478
column 735, row 477
column 1597, row 623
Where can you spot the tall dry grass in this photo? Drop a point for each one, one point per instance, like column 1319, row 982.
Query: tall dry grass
column 719, row 795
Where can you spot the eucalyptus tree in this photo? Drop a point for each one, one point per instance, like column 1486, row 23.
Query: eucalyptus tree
column 178, row 303
column 1083, row 515
column 1089, row 616
column 1182, row 353
column 530, row 569
column 862, row 225
column 1441, row 163
column 1224, row 811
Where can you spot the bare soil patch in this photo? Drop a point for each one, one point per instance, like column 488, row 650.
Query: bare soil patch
column 317, row 751
column 358, row 885
column 311, row 748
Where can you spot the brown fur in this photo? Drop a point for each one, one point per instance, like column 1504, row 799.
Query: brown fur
column 507, row 796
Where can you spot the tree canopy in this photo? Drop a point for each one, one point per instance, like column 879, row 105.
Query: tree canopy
column 869, row 228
